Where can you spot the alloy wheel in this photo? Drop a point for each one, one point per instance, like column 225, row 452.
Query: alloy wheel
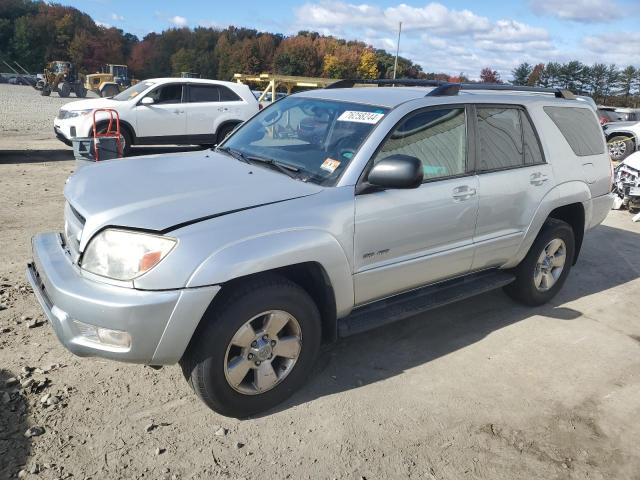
column 263, row 352
column 550, row 265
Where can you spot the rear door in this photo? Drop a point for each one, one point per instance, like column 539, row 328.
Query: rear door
column 208, row 107
column 163, row 121
column 513, row 178
column 408, row 238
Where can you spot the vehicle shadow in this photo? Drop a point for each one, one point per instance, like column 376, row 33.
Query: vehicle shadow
column 14, row 446
column 610, row 257
column 34, row 156
column 40, row 156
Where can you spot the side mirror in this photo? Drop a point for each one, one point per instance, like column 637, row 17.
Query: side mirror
column 147, row 101
column 397, row 171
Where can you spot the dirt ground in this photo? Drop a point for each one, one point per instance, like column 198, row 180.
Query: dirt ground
column 484, row 389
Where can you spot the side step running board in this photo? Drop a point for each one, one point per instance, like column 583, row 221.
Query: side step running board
column 414, row 302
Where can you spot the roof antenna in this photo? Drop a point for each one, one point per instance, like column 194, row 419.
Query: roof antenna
column 395, row 64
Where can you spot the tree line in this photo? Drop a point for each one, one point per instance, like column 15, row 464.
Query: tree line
column 607, row 84
column 34, row 33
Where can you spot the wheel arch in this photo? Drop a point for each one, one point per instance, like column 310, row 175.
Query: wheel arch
column 311, row 277
column 569, row 202
column 225, row 124
column 123, row 123
column 574, row 215
column 623, row 133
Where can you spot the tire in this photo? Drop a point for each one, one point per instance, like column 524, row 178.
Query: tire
column 224, row 132
column 46, row 91
column 109, row 91
column 80, row 91
column 525, row 288
column 620, row 147
column 124, row 133
column 64, row 90
column 206, row 364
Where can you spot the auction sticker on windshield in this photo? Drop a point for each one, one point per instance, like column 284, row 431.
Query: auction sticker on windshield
column 330, row 165
column 360, row 117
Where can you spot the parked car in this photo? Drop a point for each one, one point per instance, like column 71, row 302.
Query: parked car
column 164, row 111
column 628, row 114
column 238, row 263
column 608, row 115
column 622, row 139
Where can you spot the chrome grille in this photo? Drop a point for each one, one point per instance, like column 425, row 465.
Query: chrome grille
column 73, row 225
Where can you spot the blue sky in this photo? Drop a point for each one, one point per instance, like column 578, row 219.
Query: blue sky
column 449, row 35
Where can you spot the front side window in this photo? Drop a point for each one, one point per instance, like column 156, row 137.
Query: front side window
column 437, row 137
column 167, row 94
column 318, row 138
column 500, row 142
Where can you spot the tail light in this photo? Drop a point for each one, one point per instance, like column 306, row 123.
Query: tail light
column 611, row 175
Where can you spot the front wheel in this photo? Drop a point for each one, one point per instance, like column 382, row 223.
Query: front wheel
column 256, row 348
column 64, row 89
column 541, row 274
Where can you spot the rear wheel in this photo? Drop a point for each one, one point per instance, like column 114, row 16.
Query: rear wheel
column 64, row 89
column 620, row 147
column 257, row 347
column 224, row 132
column 541, row 274
column 46, row 91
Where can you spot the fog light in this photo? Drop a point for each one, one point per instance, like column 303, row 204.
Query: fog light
column 104, row 336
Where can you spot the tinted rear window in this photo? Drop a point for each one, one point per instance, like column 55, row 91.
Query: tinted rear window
column 579, row 128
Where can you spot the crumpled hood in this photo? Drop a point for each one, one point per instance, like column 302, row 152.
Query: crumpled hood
column 90, row 103
column 161, row 192
column 633, row 161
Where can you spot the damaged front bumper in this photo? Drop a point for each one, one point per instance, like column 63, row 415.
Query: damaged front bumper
column 120, row 323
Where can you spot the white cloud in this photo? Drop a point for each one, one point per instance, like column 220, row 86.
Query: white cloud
column 179, row 21
column 434, row 16
column 438, row 38
column 583, row 11
column 625, row 52
column 116, row 17
column 103, row 24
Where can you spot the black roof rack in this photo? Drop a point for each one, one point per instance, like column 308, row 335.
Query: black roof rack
column 449, row 88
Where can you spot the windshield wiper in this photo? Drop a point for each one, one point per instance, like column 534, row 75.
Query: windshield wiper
column 234, row 153
column 281, row 166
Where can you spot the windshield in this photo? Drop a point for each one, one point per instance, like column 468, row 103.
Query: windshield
column 119, row 71
column 133, row 91
column 316, row 137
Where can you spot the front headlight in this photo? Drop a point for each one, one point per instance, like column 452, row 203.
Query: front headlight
column 125, row 255
column 73, row 113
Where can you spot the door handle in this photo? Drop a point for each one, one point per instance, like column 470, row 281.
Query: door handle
column 463, row 193
column 538, row 178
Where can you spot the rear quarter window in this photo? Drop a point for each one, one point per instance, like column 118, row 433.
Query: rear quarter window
column 580, row 128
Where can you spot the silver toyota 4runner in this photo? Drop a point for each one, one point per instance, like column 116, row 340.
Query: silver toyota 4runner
column 328, row 213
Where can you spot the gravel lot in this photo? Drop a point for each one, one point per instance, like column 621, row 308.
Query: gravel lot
column 484, row 389
column 26, row 118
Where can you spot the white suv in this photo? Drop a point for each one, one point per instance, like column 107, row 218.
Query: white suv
column 163, row 111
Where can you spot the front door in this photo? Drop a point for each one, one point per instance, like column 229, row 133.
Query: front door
column 408, row 238
column 164, row 121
